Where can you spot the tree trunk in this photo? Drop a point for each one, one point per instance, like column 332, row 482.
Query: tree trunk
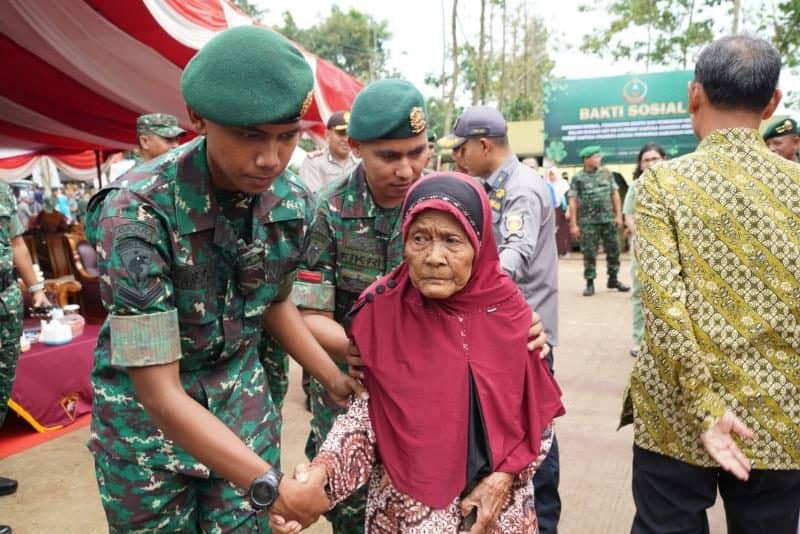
column 448, row 114
column 502, row 91
column 481, row 64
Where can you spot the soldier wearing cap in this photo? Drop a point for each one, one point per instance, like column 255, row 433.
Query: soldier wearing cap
column 198, row 250
column 455, row 144
column 157, row 133
column 783, row 138
column 594, row 200
column 335, row 161
column 355, row 238
column 523, row 220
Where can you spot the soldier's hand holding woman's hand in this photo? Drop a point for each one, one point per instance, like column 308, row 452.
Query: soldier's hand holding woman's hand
column 302, row 500
column 574, row 231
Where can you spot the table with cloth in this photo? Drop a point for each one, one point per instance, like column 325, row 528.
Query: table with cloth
column 52, row 387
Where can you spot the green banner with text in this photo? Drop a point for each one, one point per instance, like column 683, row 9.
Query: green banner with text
column 619, row 113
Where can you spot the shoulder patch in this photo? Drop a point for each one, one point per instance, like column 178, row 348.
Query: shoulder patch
column 514, row 224
column 135, row 229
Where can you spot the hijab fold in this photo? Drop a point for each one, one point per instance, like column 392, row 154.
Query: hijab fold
column 418, row 354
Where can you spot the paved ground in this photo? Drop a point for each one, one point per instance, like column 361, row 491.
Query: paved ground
column 57, row 487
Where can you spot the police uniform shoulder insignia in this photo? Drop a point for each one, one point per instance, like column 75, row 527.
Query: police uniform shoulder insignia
column 513, row 224
column 499, row 193
column 495, row 204
column 417, row 119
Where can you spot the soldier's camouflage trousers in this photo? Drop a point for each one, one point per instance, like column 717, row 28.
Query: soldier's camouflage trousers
column 591, row 236
column 137, row 498
column 10, row 332
column 349, row 516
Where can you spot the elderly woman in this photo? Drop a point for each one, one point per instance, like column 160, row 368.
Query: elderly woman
column 459, row 411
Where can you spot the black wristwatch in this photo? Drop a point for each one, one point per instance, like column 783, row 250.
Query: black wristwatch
column 264, row 490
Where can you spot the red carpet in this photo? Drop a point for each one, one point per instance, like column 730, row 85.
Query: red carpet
column 17, row 435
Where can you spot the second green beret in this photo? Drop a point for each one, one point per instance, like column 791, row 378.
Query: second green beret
column 248, row 75
column 387, row 109
column 781, row 127
column 590, row 151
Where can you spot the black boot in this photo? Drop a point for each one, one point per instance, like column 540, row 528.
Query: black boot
column 613, row 283
column 7, row 486
column 589, row 291
column 5, row 529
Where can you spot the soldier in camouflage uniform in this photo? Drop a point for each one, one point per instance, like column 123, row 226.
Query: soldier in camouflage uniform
column 13, row 252
column 198, row 249
column 594, row 198
column 355, row 238
column 157, row 133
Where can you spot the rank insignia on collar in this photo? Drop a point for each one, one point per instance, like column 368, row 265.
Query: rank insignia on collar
column 416, row 119
column 499, row 193
column 306, row 103
column 494, row 204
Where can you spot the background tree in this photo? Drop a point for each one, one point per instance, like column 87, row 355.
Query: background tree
column 352, row 40
column 669, row 33
column 248, row 8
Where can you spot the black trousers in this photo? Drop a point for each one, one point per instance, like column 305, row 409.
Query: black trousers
column 547, row 501
column 672, row 497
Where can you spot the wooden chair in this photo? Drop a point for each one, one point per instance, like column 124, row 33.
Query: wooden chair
column 83, row 264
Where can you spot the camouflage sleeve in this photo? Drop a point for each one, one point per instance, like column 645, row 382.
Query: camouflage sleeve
column 9, row 209
column 573, row 187
column 314, row 288
column 133, row 256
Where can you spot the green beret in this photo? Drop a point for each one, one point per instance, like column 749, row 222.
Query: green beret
column 246, row 76
column 387, row 109
column 590, row 151
column 781, row 127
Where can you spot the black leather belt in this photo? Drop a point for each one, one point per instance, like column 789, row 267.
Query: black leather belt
column 6, row 279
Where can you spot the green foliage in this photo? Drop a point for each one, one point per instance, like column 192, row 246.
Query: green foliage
column 351, row 40
column 655, row 32
column 670, row 32
column 436, row 111
column 248, row 8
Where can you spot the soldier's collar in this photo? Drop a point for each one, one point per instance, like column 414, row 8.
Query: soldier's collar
column 504, row 169
column 357, row 202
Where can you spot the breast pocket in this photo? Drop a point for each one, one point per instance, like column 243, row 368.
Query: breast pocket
column 196, row 293
column 360, row 262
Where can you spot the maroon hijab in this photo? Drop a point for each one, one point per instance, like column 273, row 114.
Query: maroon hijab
column 418, row 354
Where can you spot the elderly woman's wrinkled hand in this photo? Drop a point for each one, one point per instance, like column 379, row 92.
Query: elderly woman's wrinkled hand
column 488, row 496
column 301, row 501
column 354, row 361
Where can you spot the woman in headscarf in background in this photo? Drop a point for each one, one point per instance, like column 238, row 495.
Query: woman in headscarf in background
column 459, row 412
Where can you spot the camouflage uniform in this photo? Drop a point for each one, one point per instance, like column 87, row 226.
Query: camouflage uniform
column 596, row 219
column 351, row 243
column 10, row 297
column 186, row 273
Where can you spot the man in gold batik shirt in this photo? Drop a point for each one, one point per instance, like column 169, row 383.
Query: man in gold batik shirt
column 716, row 391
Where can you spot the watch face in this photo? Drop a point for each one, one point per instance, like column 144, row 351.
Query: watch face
column 262, row 493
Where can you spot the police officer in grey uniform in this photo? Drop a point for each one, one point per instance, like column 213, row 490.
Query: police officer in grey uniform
column 524, row 228
column 335, row 161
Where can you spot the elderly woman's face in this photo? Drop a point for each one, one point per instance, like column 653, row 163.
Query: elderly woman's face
column 439, row 254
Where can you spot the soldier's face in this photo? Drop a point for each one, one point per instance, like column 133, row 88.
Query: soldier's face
column 439, row 254
column 153, row 145
column 248, row 159
column 785, row 146
column 337, row 143
column 592, row 163
column 391, row 166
